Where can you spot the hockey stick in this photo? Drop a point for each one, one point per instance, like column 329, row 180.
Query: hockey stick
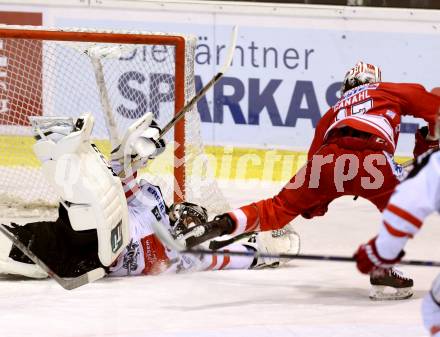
column 208, row 86
column 178, row 116
column 109, row 119
column 166, row 238
column 333, row 258
column 66, row 283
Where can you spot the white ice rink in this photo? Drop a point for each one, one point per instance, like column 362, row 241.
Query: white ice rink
column 305, row 299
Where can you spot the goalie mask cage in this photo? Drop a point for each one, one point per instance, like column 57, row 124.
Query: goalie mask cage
column 68, row 72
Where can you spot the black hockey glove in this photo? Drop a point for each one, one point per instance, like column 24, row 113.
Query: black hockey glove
column 221, row 225
column 423, row 143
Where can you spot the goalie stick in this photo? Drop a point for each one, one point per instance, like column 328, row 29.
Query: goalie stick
column 66, row 283
column 110, row 123
column 177, row 245
column 95, row 53
column 208, row 86
column 200, row 94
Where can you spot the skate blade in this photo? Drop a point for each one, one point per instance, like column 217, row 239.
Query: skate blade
column 385, row 293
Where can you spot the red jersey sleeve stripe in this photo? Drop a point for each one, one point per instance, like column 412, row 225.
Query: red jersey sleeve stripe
column 404, row 215
column 395, row 232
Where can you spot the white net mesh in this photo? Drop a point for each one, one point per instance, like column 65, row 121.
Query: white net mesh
column 58, row 78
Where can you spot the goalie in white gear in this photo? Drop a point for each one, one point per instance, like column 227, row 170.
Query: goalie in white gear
column 92, row 227
column 76, row 242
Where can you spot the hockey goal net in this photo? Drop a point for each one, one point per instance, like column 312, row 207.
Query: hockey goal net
column 68, row 72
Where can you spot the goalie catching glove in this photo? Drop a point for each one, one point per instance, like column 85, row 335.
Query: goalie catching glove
column 140, row 143
column 148, row 144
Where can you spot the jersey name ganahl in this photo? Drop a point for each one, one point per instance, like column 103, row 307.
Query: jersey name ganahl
column 354, row 96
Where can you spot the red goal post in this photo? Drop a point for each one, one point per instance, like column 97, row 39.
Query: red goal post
column 47, row 72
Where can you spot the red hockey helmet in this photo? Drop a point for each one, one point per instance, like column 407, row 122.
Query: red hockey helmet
column 361, row 73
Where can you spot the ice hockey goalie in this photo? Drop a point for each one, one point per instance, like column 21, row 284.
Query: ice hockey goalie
column 81, row 239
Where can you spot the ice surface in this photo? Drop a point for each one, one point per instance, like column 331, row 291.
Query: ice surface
column 305, row 299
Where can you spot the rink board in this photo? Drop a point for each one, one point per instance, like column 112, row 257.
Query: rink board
column 225, row 162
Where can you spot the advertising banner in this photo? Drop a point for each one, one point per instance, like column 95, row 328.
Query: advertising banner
column 288, row 64
column 286, row 74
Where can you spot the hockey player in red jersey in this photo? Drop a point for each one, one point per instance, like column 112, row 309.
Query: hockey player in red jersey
column 402, row 219
column 351, row 154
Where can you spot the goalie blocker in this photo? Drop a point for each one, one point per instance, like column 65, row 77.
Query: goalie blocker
column 92, row 215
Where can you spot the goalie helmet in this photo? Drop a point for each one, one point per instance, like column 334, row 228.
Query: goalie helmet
column 361, row 73
column 185, row 215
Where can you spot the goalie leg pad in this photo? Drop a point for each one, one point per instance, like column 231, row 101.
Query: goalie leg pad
column 91, row 193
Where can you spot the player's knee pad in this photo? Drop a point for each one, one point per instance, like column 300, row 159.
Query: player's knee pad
column 92, row 194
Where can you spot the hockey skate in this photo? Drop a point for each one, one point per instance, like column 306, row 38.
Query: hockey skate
column 281, row 241
column 390, row 284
